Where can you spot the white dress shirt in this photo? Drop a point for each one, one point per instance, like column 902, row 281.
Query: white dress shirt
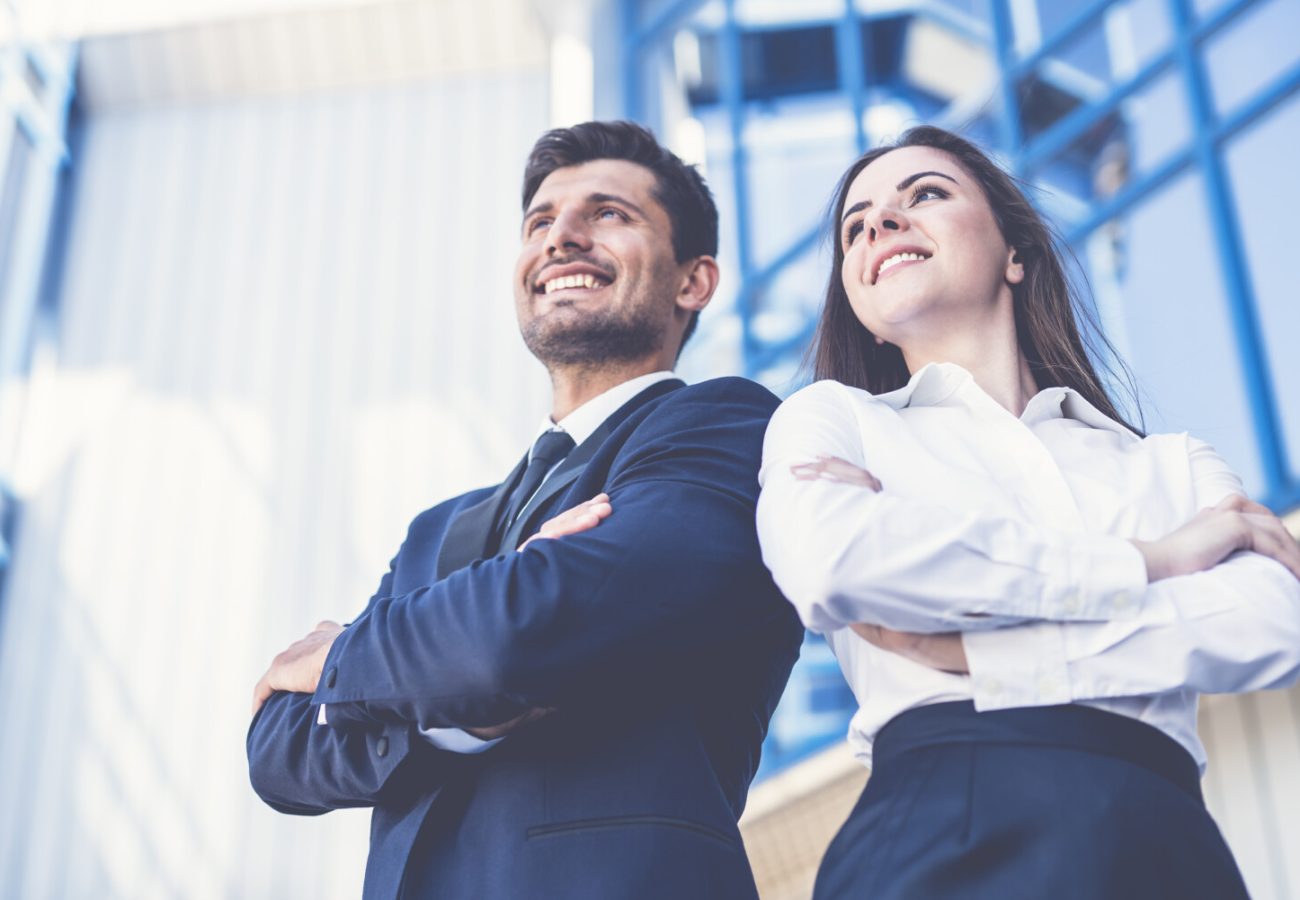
column 580, row 424
column 1016, row 532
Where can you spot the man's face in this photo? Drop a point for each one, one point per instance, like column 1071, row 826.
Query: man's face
column 596, row 279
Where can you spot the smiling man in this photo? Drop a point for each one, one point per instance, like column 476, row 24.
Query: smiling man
column 580, row 716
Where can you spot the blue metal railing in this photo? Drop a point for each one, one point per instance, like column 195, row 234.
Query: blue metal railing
column 1204, row 152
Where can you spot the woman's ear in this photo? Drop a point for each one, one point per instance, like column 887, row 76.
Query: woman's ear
column 1015, row 268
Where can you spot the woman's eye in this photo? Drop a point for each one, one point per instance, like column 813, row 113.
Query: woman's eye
column 851, row 234
column 928, row 192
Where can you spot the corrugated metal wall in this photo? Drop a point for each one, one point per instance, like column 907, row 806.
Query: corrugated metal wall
column 286, row 326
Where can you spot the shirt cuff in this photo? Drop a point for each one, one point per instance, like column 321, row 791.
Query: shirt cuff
column 455, row 740
column 1106, row 580
column 1024, row 665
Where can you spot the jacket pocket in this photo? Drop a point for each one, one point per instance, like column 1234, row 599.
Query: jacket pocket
column 610, row 823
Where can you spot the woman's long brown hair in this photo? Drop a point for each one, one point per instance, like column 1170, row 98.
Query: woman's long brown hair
column 1047, row 304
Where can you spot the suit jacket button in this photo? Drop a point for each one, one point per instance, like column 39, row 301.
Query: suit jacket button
column 332, row 678
column 381, row 747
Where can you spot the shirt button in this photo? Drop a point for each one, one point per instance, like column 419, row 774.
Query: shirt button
column 332, row 678
column 992, row 686
column 1048, row 685
column 1070, row 602
column 1123, row 600
column 381, row 747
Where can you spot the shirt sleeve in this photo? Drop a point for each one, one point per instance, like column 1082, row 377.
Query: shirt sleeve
column 453, row 740
column 1230, row 629
column 843, row 553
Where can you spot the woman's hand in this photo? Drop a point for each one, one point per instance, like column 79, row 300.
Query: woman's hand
column 1210, row 536
column 582, row 517
column 832, row 468
column 936, row 651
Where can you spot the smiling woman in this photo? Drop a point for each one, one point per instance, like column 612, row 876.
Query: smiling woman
column 1025, row 594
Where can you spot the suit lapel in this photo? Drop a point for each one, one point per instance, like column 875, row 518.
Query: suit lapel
column 468, row 534
column 569, row 470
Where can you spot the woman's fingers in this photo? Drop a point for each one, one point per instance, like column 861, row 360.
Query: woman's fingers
column 583, row 517
column 832, row 468
column 1271, row 538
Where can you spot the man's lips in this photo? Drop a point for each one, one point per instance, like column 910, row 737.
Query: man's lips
column 571, row 276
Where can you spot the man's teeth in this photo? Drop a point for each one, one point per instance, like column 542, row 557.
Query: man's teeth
column 572, row 281
column 895, row 260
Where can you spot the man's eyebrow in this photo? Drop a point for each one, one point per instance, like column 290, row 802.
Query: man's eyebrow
column 901, row 186
column 539, row 208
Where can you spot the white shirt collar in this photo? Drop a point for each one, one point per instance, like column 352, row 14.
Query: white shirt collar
column 936, row 382
column 587, row 418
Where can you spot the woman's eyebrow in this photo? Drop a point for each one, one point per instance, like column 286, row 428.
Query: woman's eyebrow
column 901, row 186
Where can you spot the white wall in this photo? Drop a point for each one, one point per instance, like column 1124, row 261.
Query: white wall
column 286, row 327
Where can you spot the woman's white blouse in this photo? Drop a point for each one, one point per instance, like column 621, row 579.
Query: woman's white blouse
column 1014, row 531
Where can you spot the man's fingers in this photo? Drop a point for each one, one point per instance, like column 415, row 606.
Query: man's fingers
column 261, row 693
column 583, row 517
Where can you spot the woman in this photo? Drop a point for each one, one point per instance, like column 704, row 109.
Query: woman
column 1025, row 595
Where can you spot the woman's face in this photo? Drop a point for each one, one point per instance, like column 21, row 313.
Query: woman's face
column 922, row 252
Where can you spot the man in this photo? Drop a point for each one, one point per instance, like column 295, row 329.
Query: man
column 579, row 716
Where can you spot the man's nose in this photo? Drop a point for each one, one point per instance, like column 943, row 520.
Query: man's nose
column 882, row 219
column 567, row 233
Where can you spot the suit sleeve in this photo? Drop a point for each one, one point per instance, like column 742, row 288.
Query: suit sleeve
column 672, row 575
column 301, row 767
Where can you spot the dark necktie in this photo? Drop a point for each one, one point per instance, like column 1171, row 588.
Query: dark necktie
column 548, row 450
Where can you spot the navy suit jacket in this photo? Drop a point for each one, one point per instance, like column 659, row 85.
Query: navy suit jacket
column 658, row 637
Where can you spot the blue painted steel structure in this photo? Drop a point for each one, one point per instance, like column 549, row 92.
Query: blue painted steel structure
column 36, row 91
column 1027, row 156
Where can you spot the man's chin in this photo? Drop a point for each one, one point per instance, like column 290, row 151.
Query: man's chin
column 590, row 344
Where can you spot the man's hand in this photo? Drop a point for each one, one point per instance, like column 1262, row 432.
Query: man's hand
column 298, row 668
column 583, row 517
column 832, row 468
column 936, row 651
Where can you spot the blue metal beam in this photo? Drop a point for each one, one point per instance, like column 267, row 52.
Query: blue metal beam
column 853, row 69
column 1232, row 257
column 668, row 18
column 1043, row 148
column 732, row 91
column 1004, row 46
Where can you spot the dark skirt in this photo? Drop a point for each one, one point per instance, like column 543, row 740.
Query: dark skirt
column 1056, row 802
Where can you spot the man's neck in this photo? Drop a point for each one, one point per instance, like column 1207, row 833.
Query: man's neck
column 573, row 386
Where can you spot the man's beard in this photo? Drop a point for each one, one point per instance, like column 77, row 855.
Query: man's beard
column 594, row 340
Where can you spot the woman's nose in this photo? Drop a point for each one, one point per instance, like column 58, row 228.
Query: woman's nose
column 884, row 219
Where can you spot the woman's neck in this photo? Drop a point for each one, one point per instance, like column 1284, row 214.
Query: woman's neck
column 993, row 360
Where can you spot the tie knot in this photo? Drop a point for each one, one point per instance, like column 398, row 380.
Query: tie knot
column 550, row 448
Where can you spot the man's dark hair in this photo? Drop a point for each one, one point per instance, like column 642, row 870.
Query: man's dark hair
column 679, row 188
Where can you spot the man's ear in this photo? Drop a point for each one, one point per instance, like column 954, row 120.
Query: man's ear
column 701, row 280
column 1015, row 268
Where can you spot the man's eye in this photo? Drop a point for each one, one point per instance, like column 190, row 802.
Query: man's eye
column 537, row 224
column 609, row 212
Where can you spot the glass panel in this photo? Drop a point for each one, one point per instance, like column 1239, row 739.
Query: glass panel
column 1252, row 51
column 1143, row 133
column 1160, row 294
column 1114, row 45
column 1259, row 164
